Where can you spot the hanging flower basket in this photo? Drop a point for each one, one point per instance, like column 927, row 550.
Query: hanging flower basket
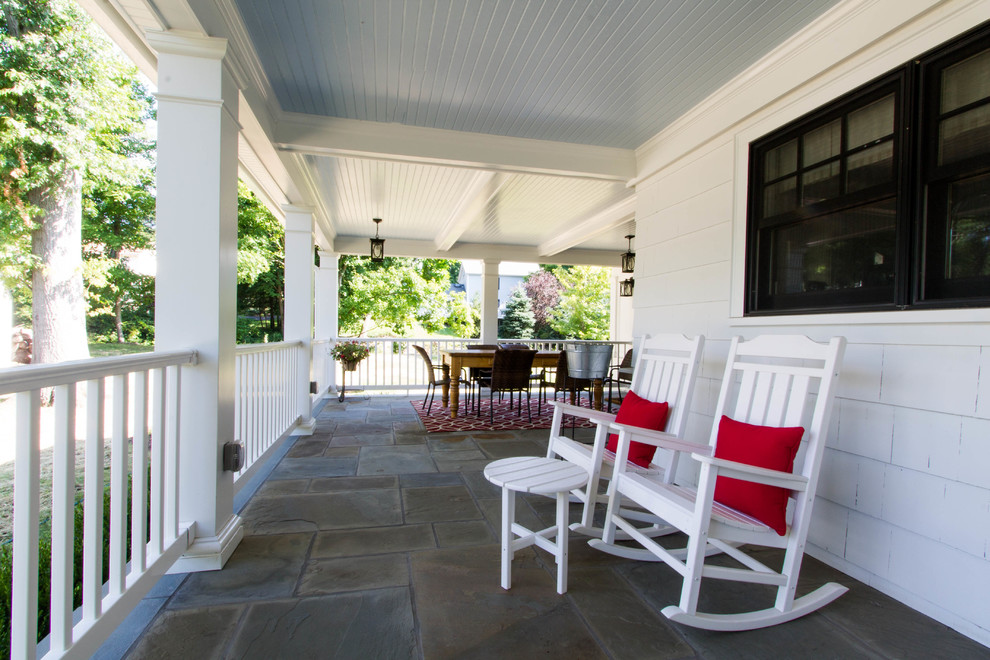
column 349, row 353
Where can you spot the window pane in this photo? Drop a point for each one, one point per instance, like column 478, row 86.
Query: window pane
column 964, row 136
column 968, row 226
column 871, row 123
column 966, row 82
column 820, row 183
column 780, row 197
column 848, row 250
column 870, row 167
column 780, row 161
column 822, row 143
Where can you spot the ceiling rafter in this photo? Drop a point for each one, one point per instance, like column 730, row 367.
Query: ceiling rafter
column 614, row 213
column 333, row 136
column 483, row 188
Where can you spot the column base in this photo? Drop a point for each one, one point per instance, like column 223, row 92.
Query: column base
column 210, row 553
column 306, row 427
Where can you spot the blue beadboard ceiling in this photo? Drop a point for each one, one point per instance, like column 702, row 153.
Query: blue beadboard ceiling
column 607, row 72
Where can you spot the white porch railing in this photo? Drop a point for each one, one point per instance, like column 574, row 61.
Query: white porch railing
column 141, row 406
column 265, row 408
column 393, row 365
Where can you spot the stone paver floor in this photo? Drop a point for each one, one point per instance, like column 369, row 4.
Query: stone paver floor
column 372, row 539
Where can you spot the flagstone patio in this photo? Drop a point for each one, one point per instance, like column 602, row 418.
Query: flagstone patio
column 373, row 539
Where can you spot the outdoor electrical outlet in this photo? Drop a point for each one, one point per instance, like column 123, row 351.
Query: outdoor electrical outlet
column 233, row 453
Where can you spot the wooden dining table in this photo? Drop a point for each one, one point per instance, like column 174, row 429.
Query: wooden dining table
column 455, row 360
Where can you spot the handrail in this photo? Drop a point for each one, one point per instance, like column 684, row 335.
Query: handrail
column 37, row 376
column 247, row 349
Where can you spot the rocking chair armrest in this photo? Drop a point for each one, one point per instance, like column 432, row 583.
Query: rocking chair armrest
column 755, row 474
column 662, row 439
column 596, row 416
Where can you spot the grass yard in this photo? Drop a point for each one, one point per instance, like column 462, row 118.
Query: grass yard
column 45, row 490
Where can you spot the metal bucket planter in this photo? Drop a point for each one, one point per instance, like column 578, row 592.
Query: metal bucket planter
column 588, row 361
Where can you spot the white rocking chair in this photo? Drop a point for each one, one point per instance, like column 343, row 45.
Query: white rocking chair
column 664, row 371
column 768, row 381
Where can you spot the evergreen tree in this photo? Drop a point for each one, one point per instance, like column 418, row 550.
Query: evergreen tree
column 518, row 320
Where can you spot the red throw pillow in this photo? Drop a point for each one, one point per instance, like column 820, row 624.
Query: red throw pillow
column 637, row 411
column 768, row 447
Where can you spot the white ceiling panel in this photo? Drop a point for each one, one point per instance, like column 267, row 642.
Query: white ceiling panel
column 606, row 72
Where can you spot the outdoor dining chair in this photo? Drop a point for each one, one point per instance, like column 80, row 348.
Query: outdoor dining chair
column 435, row 374
column 510, row 373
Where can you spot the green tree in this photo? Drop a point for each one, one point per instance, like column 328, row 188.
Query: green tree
column 393, row 296
column 464, row 320
column 68, row 108
column 518, row 320
column 583, row 310
column 260, row 270
column 118, row 227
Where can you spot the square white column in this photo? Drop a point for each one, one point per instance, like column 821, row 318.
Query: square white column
column 327, row 309
column 299, row 304
column 195, row 299
column 489, row 301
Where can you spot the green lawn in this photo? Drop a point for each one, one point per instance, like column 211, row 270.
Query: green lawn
column 99, row 349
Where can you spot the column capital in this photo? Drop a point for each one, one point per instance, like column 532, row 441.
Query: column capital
column 297, row 208
column 328, row 259
column 189, row 44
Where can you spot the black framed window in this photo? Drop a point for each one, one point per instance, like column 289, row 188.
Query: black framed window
column 852, row 208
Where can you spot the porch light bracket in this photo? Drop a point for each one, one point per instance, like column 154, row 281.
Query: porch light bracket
column 377, row 244
column 626, row 287
column 629, row 258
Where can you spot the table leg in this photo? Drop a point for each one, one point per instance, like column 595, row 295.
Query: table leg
column 599, row 388
column 508, row 515
column 563, row 500
column 445, row 389
column 455, row 385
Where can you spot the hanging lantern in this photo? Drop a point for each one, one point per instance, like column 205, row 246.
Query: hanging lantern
column 377, row 244
column 629, row 258
column 626, row 288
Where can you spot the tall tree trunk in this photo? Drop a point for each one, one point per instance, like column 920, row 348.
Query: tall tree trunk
column 58, row 304
column 118, row 309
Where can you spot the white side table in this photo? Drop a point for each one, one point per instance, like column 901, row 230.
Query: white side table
column 544, row 476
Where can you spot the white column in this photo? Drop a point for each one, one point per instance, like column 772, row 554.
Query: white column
column 327, row 307
column 195, row 299
column 489, row 301
column 621, row 316
column 299, row 303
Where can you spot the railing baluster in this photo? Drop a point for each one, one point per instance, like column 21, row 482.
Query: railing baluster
column 118, row 487
column 139, row 475
column 93, row 503
column 24, row 581
column 158, row 430
column 63, row 510
column 173, row 390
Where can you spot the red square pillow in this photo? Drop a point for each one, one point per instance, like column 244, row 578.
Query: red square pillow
column 768, row 447
column 637, row 411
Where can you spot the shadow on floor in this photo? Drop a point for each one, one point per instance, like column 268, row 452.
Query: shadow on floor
column 372, row 539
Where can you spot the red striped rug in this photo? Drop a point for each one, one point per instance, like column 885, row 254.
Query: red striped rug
column 439, row 421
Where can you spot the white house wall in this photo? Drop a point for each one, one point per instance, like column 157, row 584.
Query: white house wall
column 904, row 502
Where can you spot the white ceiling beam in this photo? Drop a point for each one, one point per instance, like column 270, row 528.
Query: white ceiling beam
column 334, row 136
column 613, row 214
column 395, row 247
column 483, row 187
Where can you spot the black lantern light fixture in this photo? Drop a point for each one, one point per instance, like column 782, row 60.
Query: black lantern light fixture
column 377, row 244
column 626, row 288
column 629, row 258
